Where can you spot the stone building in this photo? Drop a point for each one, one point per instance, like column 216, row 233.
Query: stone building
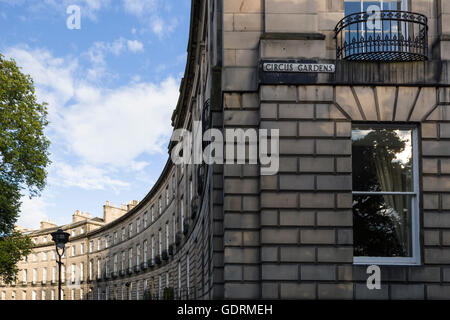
column 360, row 93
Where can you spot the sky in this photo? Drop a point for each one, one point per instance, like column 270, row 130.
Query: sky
column 111, row 86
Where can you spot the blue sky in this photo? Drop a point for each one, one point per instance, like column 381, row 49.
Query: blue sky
column 111, row 88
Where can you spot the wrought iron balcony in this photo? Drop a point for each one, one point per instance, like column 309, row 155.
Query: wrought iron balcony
column 389, row 36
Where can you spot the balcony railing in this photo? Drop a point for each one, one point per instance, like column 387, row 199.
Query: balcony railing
column 389, row 36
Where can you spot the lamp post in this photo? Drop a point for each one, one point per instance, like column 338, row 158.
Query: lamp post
column 60, row 238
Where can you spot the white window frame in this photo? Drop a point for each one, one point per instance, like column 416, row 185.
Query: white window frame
column 137, row 290
column 182, row 213
column 145, row 252
column 138, row 255
column 167, row 235
column 73, row 273
column 153, row 249
column 99, row 268
column 167, row 195
column 159, row 242
column 35, row 275
column 130, row 258
column 91, row 269
column 145, row 219
column 53, row 274
column 82, row 271
column 44, row 275
column 415, row 214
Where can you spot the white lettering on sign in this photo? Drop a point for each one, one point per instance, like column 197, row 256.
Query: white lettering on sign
column 298, row 67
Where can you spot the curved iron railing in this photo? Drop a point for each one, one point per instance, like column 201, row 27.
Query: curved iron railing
column 387, row 35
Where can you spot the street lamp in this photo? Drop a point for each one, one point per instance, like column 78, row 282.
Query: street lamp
column 60, row 238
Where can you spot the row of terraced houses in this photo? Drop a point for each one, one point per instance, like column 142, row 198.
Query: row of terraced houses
column 359, row 92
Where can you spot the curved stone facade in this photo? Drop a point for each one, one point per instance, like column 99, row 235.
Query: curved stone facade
column 160, row 242
column 289, row 235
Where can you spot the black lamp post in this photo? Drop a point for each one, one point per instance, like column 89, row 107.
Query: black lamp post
column 60, row 238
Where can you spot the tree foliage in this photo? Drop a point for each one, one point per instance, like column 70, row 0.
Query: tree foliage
column 23, row 146
column 24, row 158
column 376, row 228
column 13, row 248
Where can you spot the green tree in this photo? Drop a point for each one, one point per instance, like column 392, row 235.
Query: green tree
column 24, row 158
column 13, row 248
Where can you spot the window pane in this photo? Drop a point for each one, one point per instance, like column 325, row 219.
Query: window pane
column 395, row 5
column 382, row 160
column 382, row 225
column 352, row 6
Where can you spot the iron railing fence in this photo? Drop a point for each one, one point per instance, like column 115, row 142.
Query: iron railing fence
column 389, row 36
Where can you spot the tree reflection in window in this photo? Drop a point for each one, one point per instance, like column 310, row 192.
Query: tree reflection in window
column 382, row 184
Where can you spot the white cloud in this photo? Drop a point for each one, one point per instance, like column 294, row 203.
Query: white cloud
column 149, row 13
column 122, row 124
column 54, row 77
column 102, row 130
column 33, row 211
column 98, row 50
column 158, row 26
column 138, row 165
column 140, row 7
column 89, row 8
column 85, row 176
column 97, row 56
column 135, row 45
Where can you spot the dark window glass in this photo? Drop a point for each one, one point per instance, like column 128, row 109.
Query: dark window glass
column 382, row 225
column 383, row 191
column 382, row 159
